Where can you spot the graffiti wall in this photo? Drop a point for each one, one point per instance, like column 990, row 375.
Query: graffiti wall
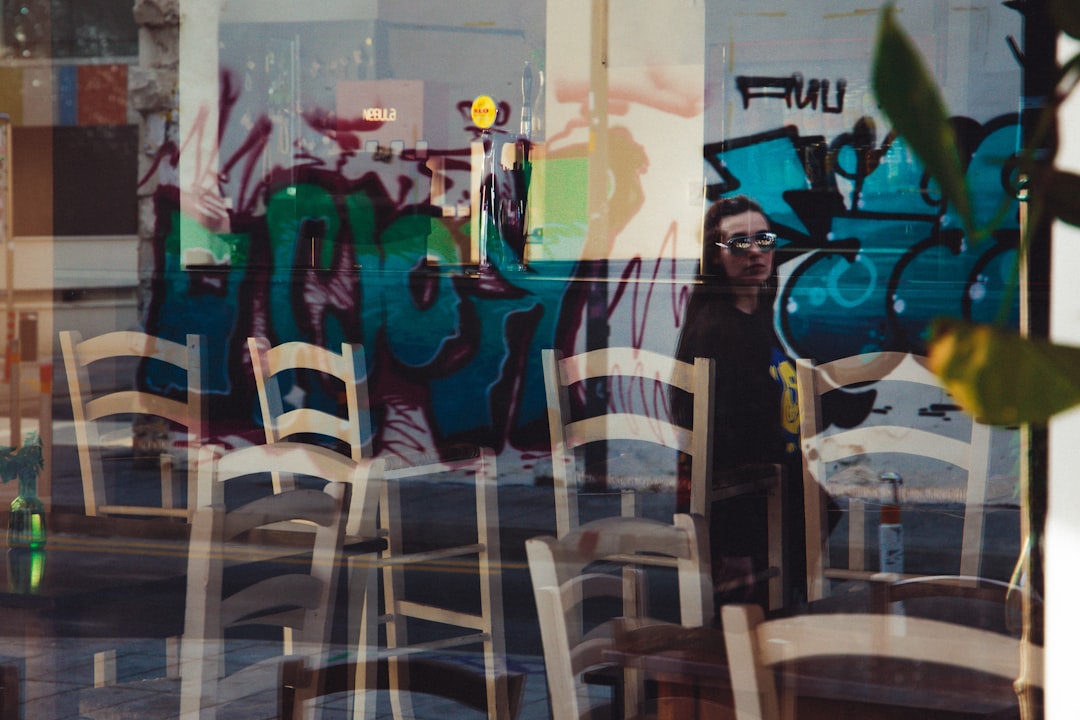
column 348, row 186
column 793, row 123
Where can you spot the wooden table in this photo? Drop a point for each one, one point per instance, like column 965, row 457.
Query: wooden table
column 690, row 667
column 95, row 578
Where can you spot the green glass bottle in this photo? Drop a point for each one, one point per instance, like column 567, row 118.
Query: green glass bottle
column 26, row 570
column 26, row 527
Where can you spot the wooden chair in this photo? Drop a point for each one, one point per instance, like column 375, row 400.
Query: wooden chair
column 755, row 647
column 91, row 411
column 820, row 448
column 245, row 571
column 646, row 374
column 353, row 434
column 447, row 686
column 294, row 461
column 605, row 559
column 124, row 352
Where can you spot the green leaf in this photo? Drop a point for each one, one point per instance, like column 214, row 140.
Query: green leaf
column 1002, row 378
column 1061, row 195
column 1066, row 15
column 910, row 99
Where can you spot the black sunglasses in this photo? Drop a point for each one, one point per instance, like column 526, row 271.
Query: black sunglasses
column 739, row 244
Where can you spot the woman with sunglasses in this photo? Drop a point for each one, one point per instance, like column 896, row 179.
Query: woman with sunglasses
column 730, row 318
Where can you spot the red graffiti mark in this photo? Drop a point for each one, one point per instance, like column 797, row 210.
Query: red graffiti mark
column 490, row 285
column 645, row 397
column 346, row 132
column 631, row 278
column 205, row 179
column 405, row 400
column 251, row 149
column 509, row 389
column 424, row 284
column 168, row 152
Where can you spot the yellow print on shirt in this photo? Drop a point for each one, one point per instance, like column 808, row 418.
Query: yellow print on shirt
column 784, row 373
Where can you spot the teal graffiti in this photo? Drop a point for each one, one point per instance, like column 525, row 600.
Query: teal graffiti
column 872, row 253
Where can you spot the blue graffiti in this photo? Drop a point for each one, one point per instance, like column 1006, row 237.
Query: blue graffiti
column 873, row 253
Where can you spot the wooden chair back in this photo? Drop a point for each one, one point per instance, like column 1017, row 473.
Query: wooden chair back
column 91, row 410
column 639, row 378
column 345, row 375
column 637, row 374
column 820, row 448
column 602, row 559
column 217, row 468
column 297, row 591
column 755, row 647
column 482, row 625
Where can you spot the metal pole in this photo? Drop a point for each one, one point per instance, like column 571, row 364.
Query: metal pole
column 45, row 431
column 7, row 236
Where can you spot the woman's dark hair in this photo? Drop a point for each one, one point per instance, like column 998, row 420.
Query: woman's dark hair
column 713, row 273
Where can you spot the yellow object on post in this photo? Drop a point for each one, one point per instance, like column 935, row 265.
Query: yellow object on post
column 484, row 111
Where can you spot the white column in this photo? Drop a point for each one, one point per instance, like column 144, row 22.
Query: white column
column 1063, row 520
column 199, row 93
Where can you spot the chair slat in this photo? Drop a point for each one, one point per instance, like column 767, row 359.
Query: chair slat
column 628, row 426
column 130, row 343
column 294, row 590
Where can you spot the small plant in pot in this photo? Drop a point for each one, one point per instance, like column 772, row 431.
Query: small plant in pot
column 26, row 527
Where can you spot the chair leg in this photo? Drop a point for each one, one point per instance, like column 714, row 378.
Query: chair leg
column 172, row 657
column 856, row 534
column 104, row 668
column 776, row 532
column 630, row 503
column 168, row 480
column 633, row 695
column 400, row 696
column 363, row 625
column 394, row 589
column 490, row 576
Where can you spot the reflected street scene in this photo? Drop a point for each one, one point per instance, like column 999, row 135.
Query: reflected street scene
column 536, row 360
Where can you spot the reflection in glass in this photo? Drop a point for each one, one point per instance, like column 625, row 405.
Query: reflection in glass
column 26, row 570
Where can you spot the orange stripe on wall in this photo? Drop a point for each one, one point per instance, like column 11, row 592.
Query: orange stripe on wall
column 11, row 87
column 102, row 98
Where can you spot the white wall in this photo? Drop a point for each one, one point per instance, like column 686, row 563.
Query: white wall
column 1062, row 524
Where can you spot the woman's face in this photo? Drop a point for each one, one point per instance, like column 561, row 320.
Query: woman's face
column 751, row 267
